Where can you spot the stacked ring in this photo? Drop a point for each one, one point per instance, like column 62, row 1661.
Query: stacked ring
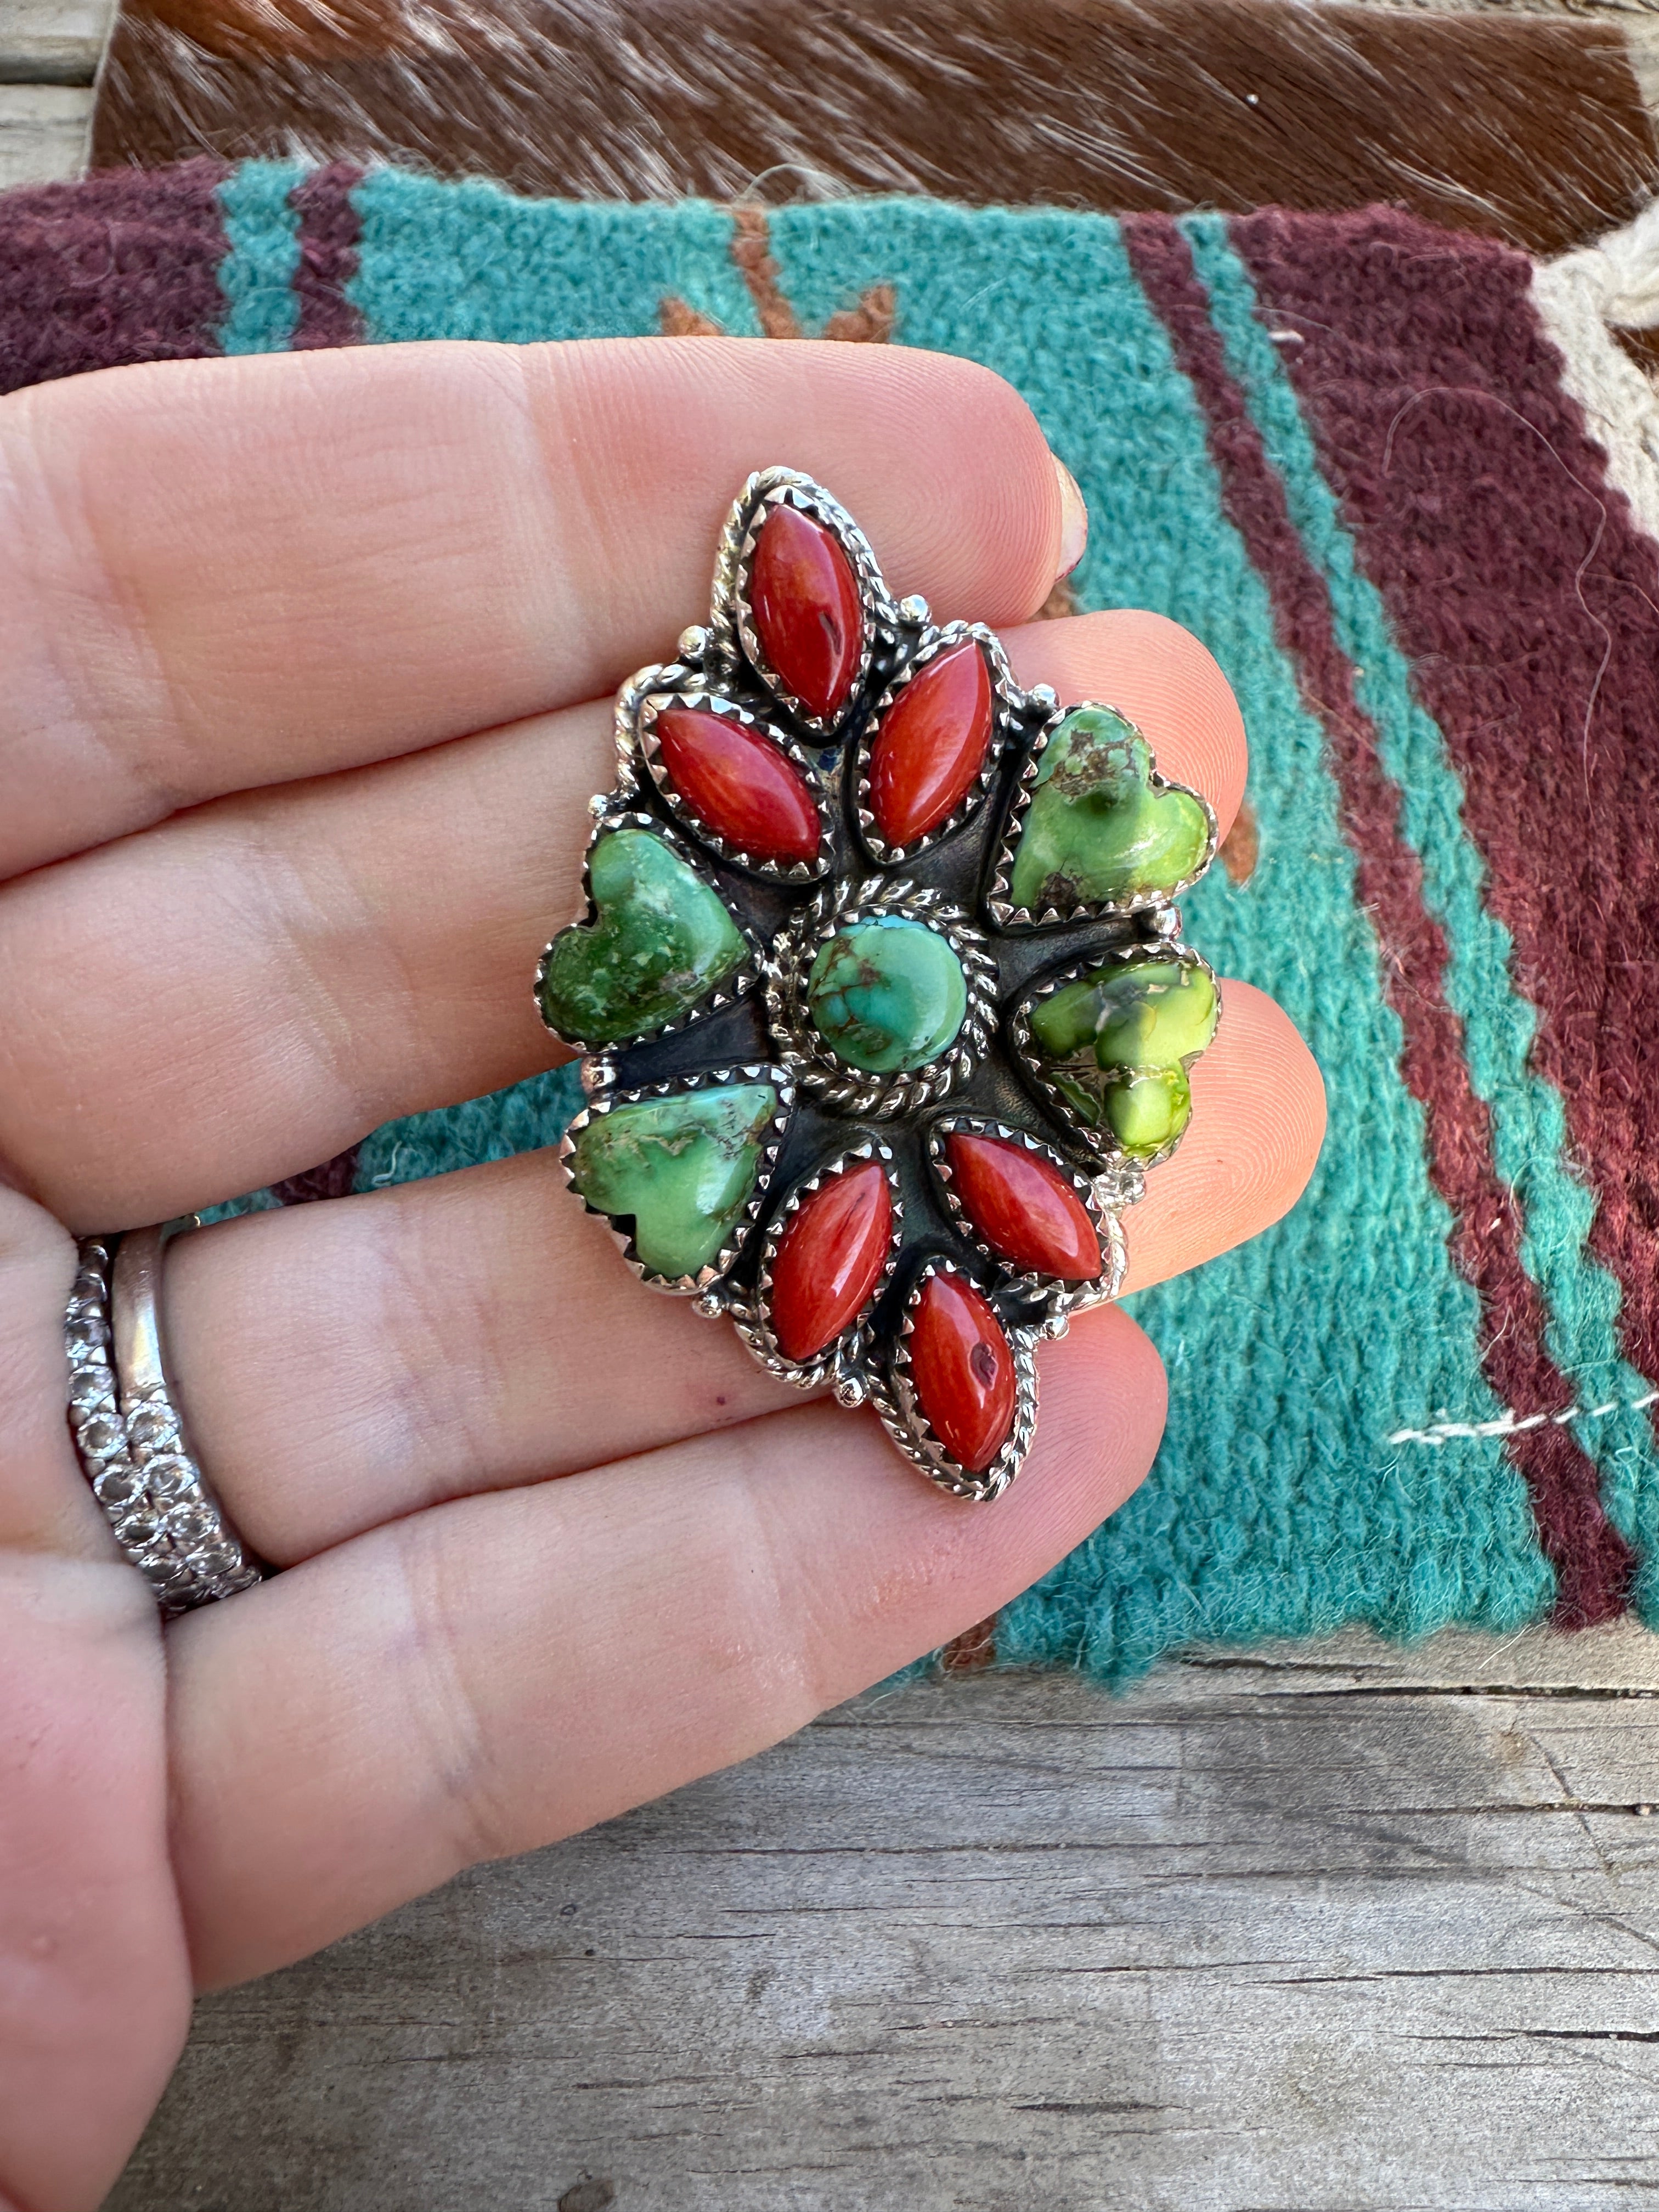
column 129, row 1434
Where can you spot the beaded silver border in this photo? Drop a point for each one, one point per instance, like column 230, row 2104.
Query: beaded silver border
column 696, row 696
column 786, row 965
column 1170, row 951
column 598, row 1075
column 1007, row 700
column 731, row 623
column 732, row 987
column 1018, row 920
column 159, row 1505
column 893, row 1395
column 845, row 1361
column 1100, row 1196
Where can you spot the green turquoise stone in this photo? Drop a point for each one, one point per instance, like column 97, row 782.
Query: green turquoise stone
column 660, row 940
column 683, row 1167
column 1096, row 831
column 887, row 995
column 1115, row 1045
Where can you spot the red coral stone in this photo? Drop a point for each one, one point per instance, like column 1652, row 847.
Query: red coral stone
column 963, row 1369
column 1023, row 1207
column 829, row 1259
column 739, row 784
column 931, row 746
column 805, row 598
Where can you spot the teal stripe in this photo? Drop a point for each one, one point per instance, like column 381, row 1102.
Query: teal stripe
column 519, row 1120
column 1277, row 1505
column 470, row 261
column 258, row 271
column 1529, row 1130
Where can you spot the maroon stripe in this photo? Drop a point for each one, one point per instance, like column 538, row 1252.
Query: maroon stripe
column 329, row 235
column 332, row 1179
column 121, row 267
column 1592, row 1562
column 1518, row 583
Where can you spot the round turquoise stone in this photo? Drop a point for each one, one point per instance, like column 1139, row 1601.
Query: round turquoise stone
column 887, row 995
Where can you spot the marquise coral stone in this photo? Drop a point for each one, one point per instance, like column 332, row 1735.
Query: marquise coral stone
column 804, row 601
column 1023, row 1207
column 963, row 1369
column 931, row 746
column 739, row 785
column 829, row 1259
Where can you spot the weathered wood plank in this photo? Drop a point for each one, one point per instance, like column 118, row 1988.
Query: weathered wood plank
column 43, row 133
column 53, row 41
column 1326, row 1928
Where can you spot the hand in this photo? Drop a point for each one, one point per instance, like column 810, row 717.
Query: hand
column 308, row 664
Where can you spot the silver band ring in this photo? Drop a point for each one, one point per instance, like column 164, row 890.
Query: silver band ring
column 129, row 1434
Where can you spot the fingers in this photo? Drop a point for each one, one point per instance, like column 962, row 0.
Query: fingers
column 94, row 1993
column 481, row 1678
column 1258, row 1122
column 218, row 574
column 259, row 983
column 340, row 1365
column 45, row 1504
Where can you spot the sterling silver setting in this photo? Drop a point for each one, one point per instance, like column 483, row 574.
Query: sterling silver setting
column 812, row 1061
column 831, row 1115
column 699, row 701
column 1098, row 1139
column 742, row 978
column 1007, row 702
column 1101, row 1197
column 893, row 1395
column 844, row 1362
column 602, row 1098
column 999, row 899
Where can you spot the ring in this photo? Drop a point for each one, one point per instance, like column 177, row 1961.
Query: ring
column 129, row 1435
column 880, row 988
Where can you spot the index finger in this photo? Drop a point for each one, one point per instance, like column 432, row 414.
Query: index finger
column 219, row 575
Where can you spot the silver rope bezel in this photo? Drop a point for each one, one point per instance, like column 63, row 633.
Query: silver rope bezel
column 786, row 966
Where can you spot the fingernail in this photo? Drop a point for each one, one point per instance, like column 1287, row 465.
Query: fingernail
column 1073, row 519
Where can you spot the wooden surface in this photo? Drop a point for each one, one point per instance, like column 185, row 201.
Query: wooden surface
column 1329, row 1927
column 49, row 55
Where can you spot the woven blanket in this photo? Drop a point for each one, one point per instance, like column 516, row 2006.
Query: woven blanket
column 1405, row 484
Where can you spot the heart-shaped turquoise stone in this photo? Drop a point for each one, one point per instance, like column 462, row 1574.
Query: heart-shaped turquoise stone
column 1115, row 1045
column 1098, row 832
column 684, row 1168
column 660, row 940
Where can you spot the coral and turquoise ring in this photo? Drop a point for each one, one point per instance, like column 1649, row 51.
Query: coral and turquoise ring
column 879, row 985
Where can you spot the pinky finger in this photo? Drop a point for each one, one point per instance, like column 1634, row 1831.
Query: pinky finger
column 501, row 1671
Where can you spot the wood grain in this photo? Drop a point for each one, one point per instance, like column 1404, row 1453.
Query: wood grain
column 1328, row 1926
column 43, row 131
column 53, row 41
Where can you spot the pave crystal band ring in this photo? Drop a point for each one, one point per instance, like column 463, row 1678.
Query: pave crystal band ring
column 129, row 1435
column 880, row 986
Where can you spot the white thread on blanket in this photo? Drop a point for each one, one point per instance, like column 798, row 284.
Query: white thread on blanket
column 1511, row 1424
column 1580, row 296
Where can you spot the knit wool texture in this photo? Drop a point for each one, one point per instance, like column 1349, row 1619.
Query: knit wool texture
column 1397, row 480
